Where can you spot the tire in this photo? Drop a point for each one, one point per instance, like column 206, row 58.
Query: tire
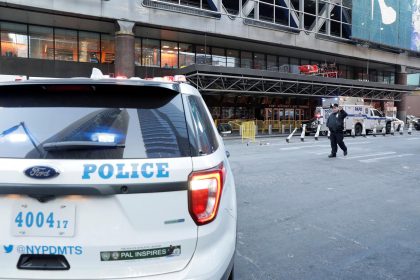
column 323, row 133
column 388, row 128
column 358, row 129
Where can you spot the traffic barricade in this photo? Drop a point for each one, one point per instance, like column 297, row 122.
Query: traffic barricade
column 248, row 131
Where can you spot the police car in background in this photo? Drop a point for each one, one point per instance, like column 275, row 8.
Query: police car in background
column 112, row 179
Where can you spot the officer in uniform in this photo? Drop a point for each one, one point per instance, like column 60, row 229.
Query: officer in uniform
column 335, row 124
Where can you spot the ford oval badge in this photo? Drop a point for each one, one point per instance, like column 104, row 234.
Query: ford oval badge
column 41, row 172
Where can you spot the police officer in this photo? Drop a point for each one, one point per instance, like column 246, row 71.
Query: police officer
column 335, row 124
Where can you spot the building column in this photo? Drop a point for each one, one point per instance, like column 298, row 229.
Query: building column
column 124, row 49
column 401, row 75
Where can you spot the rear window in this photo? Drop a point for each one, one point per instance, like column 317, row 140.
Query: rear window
column 92, row 122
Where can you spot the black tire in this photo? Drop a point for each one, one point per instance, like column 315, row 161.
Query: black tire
column 388, row 128
column 323, row 133
column 232, row 274
column 358, row 129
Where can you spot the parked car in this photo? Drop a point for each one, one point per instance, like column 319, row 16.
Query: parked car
column 121, row 179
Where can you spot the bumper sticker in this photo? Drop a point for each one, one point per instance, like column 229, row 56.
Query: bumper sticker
column 140, row 254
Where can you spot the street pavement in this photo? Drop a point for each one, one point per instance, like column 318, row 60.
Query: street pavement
column 302, row 215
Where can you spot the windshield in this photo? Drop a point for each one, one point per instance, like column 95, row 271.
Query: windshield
column 151, row 125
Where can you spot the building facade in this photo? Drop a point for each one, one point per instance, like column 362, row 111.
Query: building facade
column 244, row 56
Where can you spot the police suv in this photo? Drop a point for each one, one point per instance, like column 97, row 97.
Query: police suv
column 112, row 179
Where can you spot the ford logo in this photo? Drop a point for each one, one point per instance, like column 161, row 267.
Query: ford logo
column 41, row 172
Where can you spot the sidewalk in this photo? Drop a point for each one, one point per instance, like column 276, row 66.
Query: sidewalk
column 238, row 137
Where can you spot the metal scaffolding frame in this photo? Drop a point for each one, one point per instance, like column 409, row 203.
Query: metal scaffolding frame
column 217, row 83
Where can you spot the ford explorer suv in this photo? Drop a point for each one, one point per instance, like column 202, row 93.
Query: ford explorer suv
column 113, row 179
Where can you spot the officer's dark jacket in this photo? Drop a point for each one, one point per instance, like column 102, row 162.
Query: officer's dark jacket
column 335, row 122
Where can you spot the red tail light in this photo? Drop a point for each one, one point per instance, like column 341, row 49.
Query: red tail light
column 204, row 193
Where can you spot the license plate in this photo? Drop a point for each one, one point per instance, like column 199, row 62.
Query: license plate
column 30, row 219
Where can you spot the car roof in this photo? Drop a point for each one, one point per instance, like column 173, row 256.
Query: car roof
column 88, row 81
column 183, row 88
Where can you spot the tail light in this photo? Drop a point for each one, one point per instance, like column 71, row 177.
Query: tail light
column 204, row 194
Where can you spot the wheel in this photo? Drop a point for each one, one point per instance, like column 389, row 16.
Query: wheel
column 358, row 129
column 232, row 274
column 388, row 128
column 323, row 133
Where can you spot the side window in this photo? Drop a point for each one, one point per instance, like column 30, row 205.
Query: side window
column 377, row 113
column 206, row 137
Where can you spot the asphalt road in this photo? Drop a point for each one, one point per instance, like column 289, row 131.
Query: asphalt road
column 305, row 216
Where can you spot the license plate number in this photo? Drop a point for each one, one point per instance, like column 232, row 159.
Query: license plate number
column 43, row 220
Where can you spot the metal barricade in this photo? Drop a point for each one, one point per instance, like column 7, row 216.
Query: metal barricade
column 248, row 131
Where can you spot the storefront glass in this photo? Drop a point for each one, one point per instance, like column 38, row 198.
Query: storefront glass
column 14, row 40
column 41, row 42
column 107, row 49
column 89, row 47
column 169, row 54
column 186, row 55
column 151, row 53
column 232, row 57
column 65, row 44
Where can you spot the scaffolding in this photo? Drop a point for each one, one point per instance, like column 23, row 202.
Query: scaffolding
column 221, row 80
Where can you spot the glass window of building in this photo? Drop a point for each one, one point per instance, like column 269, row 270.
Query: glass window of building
column 294, row 65
column 89, row 47
column 65, row 44
column 342, row 71
column 107, row 49
column 14, row 39
column 259, row 61
column 203, row 55
column 151, row 52
column 373, row 75
column 350, row 72
column 272, row 64
column 186, row 55
column 380, row 77
column 246, row 59
column 169, row 54
column 304, row 62
column 392, row 78
column 232, row 57
column 284, row 64
column 41, row 42
column 218, row 57
column 137, row 51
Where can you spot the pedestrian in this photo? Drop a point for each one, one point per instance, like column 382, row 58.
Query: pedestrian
column 335, row 124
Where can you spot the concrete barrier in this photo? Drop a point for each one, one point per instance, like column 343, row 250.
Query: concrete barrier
column 363, row 130
column 290, row 136
column 318, row 129
column 302, row 135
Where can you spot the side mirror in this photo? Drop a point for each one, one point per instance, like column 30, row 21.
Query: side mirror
column 224, row 129
column 227, row 154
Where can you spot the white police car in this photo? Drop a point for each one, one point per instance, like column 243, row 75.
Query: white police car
column 112, row 179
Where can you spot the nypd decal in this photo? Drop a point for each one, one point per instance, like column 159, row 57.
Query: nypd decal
column 126, row 170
